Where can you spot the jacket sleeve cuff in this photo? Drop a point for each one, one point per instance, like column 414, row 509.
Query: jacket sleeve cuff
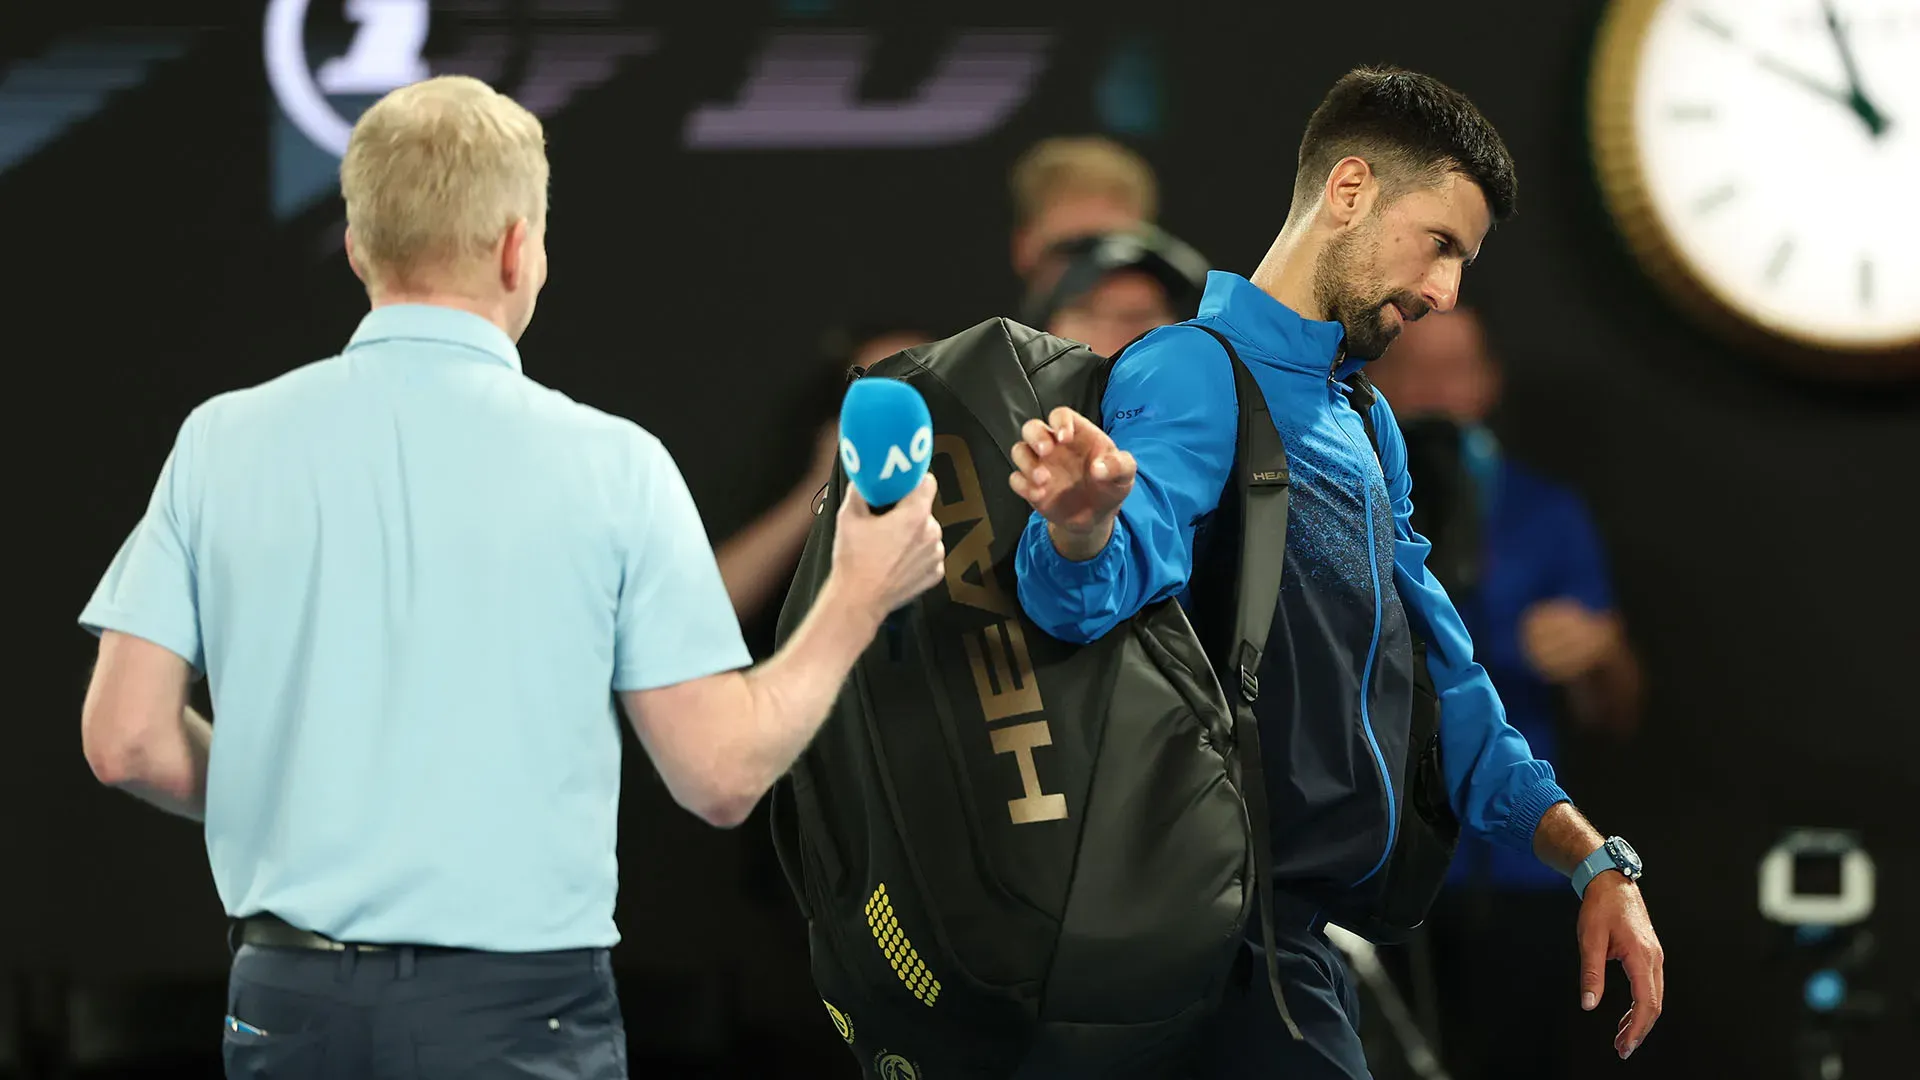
column 1073, row 601
column 1529, row 808
column 1072, row 575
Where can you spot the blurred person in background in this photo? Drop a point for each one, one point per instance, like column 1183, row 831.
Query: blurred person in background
column 1105, row 290
column 417, row 582
column 1074, row 186
column 1525, row 565
column 758, row 561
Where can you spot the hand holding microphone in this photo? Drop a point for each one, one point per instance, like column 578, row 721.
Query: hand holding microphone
column 886, row 546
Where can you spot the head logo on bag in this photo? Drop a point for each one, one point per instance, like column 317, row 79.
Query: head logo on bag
column 943, row 911
column 1011, row 690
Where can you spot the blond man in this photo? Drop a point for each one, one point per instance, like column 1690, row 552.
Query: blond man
column 417, row 581
column 1073, row 186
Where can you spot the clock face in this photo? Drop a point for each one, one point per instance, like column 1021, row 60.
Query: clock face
column 1778, row 146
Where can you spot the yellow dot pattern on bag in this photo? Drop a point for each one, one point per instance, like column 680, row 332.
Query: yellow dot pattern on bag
column 899, row 951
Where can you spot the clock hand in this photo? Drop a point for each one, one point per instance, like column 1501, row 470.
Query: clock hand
column 1801, row 78
column 1856, row 98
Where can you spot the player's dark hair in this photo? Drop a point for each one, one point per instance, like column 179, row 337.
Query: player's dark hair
column 1412, row 130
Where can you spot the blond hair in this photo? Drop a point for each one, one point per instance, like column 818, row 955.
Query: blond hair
column 436, row 171
column 1082, row 165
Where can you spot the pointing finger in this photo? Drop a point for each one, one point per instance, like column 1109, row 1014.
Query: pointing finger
column 1038, row 436
column 1646, row 999
column 1593, row 967
column 1024, row 460
column 1063, row 424
column 1114, row 467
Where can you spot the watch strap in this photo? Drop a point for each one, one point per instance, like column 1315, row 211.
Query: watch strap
column 1592, row 867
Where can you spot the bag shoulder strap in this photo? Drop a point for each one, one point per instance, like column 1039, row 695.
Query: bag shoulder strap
column 1261, row 479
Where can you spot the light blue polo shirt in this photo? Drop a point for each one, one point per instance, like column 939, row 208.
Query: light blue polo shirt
column 414, row 578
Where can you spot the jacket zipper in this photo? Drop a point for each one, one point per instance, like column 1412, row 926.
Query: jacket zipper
column 1373, row 645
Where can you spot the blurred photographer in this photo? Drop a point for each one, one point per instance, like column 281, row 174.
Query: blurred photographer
column 1107, row 289
column 1073, row 186
column 756, row 563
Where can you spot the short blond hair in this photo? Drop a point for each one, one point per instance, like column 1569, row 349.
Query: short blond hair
column 1082, row 165
column 436, row 171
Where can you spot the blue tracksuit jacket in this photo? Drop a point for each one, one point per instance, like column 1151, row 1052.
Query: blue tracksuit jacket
column 1337, row 675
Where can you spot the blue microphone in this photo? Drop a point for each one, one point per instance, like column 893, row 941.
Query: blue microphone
column 886, row 439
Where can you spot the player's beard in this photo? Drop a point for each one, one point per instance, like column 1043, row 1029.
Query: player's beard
column 1346, row 285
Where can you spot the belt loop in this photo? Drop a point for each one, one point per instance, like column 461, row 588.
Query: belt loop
column 348, row 957
column 406, row 961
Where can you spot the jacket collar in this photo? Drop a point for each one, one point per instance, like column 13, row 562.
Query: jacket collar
column 1274, row 332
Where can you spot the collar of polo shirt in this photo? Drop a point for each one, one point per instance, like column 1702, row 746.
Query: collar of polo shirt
column 445, row 325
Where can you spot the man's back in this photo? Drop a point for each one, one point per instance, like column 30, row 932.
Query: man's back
column 408, row 566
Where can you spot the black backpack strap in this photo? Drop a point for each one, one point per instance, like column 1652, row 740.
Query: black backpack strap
column 1261, row 478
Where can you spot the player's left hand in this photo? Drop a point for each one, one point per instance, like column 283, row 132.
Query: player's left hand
column 1614, row 925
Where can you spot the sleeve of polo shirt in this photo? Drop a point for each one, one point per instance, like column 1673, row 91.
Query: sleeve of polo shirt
column 674, row 622
column 1499, row 789
column 149, row 591
column 1170, row 403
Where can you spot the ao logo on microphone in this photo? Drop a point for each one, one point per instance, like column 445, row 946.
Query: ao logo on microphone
column 886, row 439
column 897, row 461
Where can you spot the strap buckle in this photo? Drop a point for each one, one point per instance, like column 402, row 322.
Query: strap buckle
column 1249, row 679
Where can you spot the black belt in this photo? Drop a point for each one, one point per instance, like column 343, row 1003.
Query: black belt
column 271, row 932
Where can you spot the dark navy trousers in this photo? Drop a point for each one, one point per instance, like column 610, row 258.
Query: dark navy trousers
column 422, row 1014
column 1247, row 1037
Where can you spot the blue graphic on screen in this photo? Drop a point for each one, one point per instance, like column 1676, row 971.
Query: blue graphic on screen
column 1130, row 96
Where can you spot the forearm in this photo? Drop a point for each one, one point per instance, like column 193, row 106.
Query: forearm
column 784, row 701
column 1079, row 545
column 756, row 562
column 170, row 772
column 1565, row 837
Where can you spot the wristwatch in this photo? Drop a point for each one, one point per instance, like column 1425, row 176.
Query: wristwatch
column 1615, row 854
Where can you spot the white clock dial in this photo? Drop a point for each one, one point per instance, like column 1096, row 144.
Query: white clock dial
column 1779, row 147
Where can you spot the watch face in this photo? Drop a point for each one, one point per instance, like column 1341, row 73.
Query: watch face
column 1624, row 855
column 1779, row 148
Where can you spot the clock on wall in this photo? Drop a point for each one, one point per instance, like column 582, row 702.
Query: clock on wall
column 1762, row 159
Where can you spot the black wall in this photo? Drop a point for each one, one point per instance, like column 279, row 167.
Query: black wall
column 1759, row 523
